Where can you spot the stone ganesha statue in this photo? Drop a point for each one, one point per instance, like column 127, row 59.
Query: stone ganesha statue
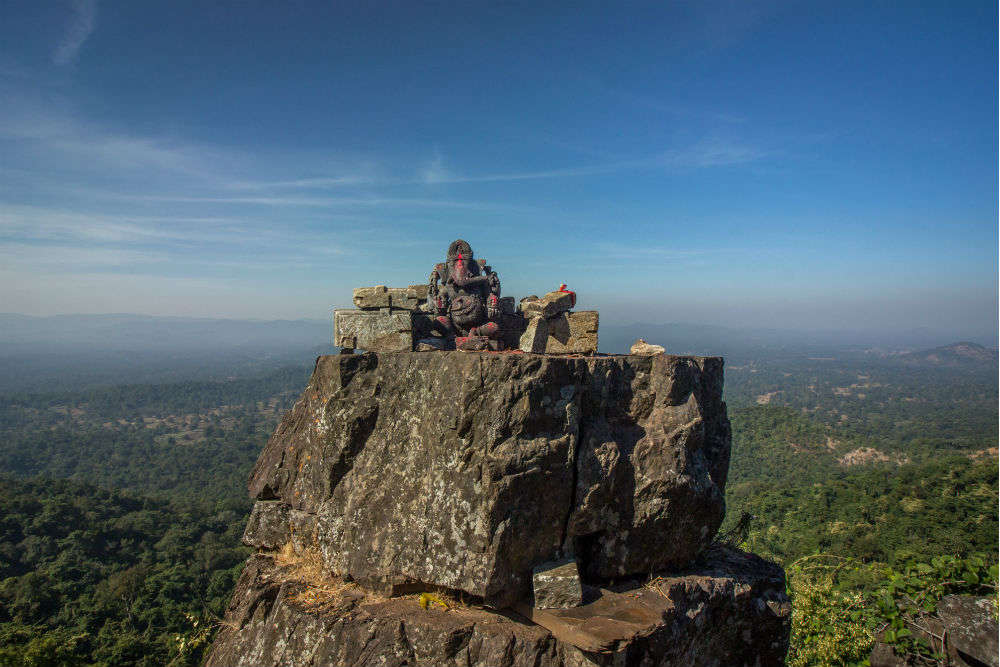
column 464, row 296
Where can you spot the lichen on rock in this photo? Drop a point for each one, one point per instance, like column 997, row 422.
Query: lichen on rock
column 467, row 470
column 457, row 473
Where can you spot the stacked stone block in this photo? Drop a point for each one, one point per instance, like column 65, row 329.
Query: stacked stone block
column 397, row 319
column 386, row 319
column 551, row 327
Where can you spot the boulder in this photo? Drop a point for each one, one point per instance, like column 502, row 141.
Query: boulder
column 729, row 609
column 969, row 626
column 972, row 628
column 642, row 347
column 467, row 470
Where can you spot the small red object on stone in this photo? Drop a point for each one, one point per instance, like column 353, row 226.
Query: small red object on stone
column 562, row 288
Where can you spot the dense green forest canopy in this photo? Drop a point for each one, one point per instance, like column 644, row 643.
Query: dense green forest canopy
column 122, row 506
column 93, row 576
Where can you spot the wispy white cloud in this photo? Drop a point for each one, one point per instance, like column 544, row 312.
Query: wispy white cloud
column 34, row 223
column 64, row 258
column 713, row 153
column 39, row 131
column 122, row 203
column 645, row 251
column 81, row 26
column 325, row 202
column 48, row 134
column 434, row 171
column 317, row 183
column 708, row 153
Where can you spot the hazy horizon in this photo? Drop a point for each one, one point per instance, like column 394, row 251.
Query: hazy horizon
column 321, row 330
column 740, row 165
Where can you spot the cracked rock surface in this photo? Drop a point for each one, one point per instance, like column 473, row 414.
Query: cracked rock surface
column 466, row 470
column 728, row 609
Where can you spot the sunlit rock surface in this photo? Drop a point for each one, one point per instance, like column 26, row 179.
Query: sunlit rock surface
column 462, row 474
column 726, row 610
column 466, row 470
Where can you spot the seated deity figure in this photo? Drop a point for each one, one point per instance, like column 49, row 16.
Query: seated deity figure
column 466, row 302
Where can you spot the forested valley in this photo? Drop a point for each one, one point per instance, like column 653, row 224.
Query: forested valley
column 869, row 478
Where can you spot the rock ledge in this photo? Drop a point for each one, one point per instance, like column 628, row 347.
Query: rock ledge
column 728, row 609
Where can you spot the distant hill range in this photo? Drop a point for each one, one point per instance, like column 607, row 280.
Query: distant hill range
column 77, row 351
column 963, row 354
column 119, row 332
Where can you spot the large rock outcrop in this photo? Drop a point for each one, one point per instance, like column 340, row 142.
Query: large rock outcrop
column 728, row 609
column 406, row 501
column 465, row 471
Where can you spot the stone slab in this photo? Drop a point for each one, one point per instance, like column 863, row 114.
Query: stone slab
column 375, row 331
column 380, row 296
column 557, row 585
column 549, row 305
column 371, row 297
column 431, row 344
column 418, row 292
column 402, row 298
column 572, row 333
column 465, row 471
column 966, row 621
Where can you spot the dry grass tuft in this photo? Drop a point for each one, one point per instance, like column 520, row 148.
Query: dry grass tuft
column 654, row 585
column 305, row 565
column 317, row 589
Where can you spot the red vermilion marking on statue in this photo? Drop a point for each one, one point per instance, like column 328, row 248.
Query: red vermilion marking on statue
column 467, row 300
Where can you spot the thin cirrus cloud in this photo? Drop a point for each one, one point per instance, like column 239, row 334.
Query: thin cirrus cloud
column 37, row 223
column 308, row 183
column 708, row 153
column 705, row 154
column 56, row 140
column 65, row 258
column 119, row 202
column 47, row 141
column 81, row 26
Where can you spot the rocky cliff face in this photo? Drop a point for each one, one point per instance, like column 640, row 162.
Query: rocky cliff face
column 461, row 472
column 729, row 609
column 466, row 470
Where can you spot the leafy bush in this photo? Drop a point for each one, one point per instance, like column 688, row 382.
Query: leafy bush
column 840, row 605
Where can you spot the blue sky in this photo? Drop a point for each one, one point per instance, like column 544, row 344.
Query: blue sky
column 795, row 165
